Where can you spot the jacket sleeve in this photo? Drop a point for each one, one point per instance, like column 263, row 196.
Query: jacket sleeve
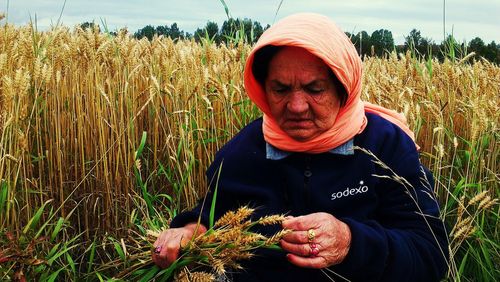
column 405, row 240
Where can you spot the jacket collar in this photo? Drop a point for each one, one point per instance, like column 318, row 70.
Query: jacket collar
column 273, row 153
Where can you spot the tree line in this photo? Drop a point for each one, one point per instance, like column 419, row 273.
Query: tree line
column 378, row 43
column 231, row 30
column 381, row 41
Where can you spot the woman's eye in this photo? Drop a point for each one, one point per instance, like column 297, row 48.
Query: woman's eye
column 314, row 90
column 280, row 90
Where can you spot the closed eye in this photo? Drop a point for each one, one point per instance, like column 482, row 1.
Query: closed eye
column 279, row 88
column 314, row 90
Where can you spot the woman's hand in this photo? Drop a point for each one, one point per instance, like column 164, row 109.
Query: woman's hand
column 168, row 245
column 318, row 240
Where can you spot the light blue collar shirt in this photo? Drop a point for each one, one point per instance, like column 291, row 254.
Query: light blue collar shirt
column 273, row 153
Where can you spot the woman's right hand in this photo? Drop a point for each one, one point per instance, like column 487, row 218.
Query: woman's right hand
column 167, row 246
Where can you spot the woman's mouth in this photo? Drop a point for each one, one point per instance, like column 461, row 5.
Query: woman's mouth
column 298, row 123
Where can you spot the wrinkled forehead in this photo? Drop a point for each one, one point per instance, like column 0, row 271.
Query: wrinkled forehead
column 291, row 56
column 297, row 66
column 289, row 62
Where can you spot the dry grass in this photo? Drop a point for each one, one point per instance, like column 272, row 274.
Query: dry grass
column 453, row 108
column 74, row 104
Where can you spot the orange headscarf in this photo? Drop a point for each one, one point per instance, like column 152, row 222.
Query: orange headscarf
column 320, row 36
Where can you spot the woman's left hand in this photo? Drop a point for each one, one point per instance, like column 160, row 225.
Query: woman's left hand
column 318, row 240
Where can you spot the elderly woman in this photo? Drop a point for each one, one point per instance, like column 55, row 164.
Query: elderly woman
column 367, row 214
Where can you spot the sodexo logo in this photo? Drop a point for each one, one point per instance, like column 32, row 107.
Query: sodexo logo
column 350, row 191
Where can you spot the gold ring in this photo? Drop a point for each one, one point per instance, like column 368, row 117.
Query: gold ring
column 310, row 235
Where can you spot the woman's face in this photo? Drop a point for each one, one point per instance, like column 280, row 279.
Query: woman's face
column 301, row 94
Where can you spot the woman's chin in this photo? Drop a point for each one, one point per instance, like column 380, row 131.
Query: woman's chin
column 301, row 135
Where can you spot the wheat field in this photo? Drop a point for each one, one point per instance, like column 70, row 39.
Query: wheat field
column 102, row 134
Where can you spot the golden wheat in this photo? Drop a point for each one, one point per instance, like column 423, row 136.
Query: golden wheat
column 74, row 104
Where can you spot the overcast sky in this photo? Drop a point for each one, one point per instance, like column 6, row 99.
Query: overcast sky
column 466, row 19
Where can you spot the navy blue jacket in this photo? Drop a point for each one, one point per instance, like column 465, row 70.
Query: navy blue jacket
column 396, row 231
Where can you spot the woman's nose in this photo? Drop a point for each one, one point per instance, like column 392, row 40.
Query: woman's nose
column 297, row 102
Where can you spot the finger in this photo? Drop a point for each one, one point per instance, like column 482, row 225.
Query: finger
column 158, row 258
column 303, row 250
column 297, row 237
column 162, row 263
column 307, row 262
column 184, row 241
column 171, row 250
column 169, row 244
column 154, row 255
column 304, row 222
column 155, row 260
column 295, row 223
